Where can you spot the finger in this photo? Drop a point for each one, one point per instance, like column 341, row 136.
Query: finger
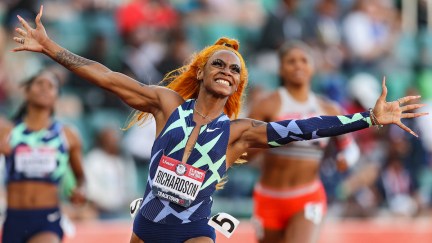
column 384, row 90
column 411, row 107
column 21, row 32
column 414, row 115
column 401, row 125
column 20, row 48
column 19, row 40
column 39, row 16
column 408, row 98
column 24, row 23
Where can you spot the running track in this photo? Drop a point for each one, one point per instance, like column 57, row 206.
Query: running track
column 347, row 231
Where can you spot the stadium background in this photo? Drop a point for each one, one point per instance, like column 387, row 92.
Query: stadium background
column 385, row 197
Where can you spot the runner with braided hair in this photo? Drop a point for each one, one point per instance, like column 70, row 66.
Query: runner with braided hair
column 198, row 135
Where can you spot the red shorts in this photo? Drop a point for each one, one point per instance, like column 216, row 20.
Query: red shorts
column 274, row 208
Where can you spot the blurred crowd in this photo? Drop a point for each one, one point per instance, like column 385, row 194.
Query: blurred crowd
column 354, row 42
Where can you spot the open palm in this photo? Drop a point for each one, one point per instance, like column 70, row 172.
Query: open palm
column 393, row 112
column 31, row 39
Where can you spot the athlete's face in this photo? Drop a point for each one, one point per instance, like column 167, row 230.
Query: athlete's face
column 296, row 67
column 43, row 91
column 221, row 74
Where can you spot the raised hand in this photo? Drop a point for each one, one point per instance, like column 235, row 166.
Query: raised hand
column 392, row 112
column 31, row 39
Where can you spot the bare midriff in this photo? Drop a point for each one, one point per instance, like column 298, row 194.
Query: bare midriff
column 281, row 172
column 32, row 195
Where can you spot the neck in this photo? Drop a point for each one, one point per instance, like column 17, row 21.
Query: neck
column 298, row 92
column 37, row 118
column 208, row 107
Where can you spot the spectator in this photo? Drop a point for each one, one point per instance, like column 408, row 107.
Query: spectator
column 112, row 178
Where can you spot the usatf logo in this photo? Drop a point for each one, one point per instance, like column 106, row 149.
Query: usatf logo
column 180, row 169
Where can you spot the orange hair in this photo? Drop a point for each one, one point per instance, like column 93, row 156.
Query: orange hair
column 184, row 79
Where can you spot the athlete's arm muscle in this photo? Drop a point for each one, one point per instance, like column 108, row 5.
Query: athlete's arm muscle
column 75, row 161
column 5, row 129
column 142, row 97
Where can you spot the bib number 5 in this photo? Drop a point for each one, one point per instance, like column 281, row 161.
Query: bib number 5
column 224, row 223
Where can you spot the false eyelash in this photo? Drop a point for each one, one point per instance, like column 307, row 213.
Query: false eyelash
column 217, row 61
column 236, row 69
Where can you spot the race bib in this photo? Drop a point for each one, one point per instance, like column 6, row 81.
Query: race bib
column 35, row 162
column 224, row 223
column 177, row 182
column 314, row 212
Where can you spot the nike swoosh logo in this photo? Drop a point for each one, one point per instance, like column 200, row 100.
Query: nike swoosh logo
column 212, row 130
column 53, row 216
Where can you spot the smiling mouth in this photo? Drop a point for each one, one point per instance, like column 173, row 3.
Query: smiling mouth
column 223, row 82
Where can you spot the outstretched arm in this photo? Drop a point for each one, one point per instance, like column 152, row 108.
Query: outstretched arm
column 141, row 97
column 257, row 134
column 283, row 132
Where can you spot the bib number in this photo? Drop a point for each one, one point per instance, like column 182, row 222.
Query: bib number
column 314, row 212
column 35, row 162
column 177, row 182
column 224, row 223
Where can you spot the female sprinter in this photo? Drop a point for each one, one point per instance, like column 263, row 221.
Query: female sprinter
column 289, row 199
column 38, row 150
column 196, row 139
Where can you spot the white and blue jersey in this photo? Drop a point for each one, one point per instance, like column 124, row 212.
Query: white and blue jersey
column 208, row 155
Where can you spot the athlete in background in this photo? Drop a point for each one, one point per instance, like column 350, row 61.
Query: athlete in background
column 289, row 199
column 38, row 151
column 198, row 135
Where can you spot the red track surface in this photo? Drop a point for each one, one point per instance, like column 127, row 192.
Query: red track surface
column 348, row 231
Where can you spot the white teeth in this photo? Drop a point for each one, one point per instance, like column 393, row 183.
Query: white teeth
column 224, row 82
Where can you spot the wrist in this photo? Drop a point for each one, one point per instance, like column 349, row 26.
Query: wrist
column 81, row 187
column 48, row 47
column 374, row 120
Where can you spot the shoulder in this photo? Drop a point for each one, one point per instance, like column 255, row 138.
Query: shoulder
column 72, row 135
column 330, row 107
column 164, row 91
column 271, row 103
column 168, row 98
column 5, row 126
column 266, row 106
column 272, row 96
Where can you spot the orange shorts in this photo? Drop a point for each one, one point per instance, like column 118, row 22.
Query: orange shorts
column 274, row 208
